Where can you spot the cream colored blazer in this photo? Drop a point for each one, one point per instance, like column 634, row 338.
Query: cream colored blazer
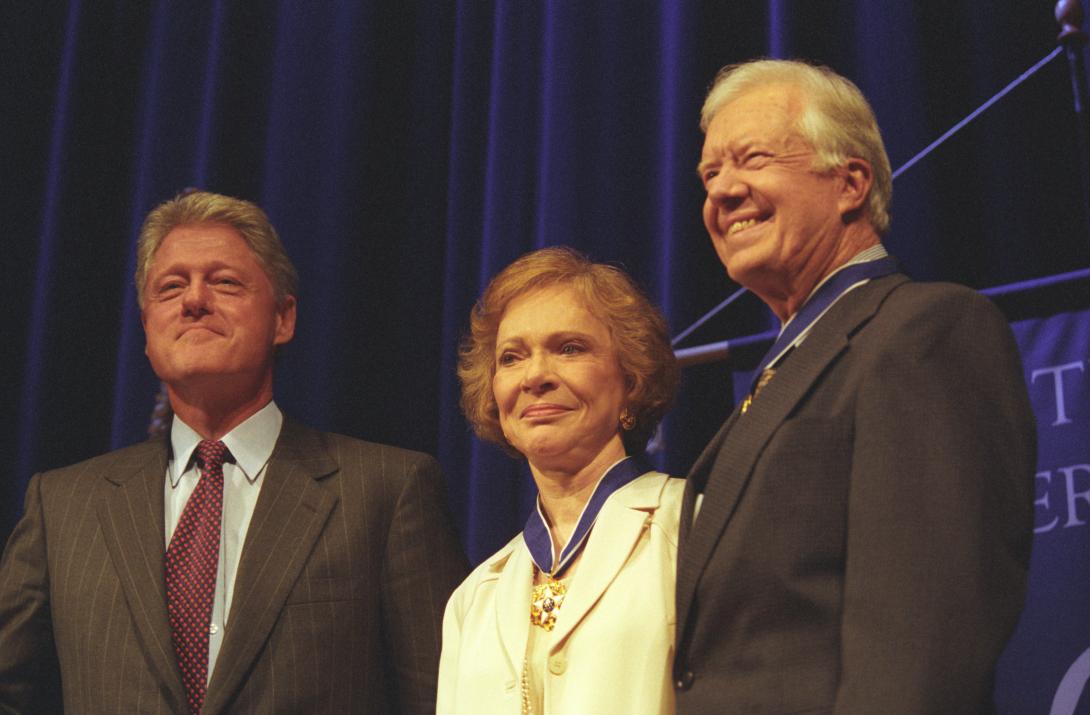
column 613, row 645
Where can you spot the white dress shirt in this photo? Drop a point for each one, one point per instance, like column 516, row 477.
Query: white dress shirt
column 251, row 444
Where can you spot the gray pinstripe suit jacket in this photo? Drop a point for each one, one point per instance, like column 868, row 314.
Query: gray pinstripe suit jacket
column 339, row 596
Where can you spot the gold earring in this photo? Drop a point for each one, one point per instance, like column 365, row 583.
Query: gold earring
column 627, row 420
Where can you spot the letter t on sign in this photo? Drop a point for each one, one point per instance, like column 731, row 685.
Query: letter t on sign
column 1057, row 372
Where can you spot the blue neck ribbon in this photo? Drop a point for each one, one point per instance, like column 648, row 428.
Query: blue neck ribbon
column 820, row 301
column 539, row 539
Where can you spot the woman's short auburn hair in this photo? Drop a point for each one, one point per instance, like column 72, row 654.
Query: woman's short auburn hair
column 639, row 332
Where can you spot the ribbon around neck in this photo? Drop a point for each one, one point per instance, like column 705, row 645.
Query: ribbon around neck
column 831, row 290
column 538, row 538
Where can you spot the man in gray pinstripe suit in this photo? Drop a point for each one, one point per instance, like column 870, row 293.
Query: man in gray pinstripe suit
column 336, row 556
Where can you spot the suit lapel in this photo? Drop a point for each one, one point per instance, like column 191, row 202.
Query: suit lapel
column 290, row 514
column 698, row 477
column 131, row 518
column 513, row 602
column 616, row 532
column 744, row 437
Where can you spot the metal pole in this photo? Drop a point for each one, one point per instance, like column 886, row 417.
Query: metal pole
column 1073, row 39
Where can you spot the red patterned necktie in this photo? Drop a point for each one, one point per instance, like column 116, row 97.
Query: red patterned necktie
column 191, row 561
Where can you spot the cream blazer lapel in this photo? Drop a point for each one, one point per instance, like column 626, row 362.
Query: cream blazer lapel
column 609, row 546
column 478, row 675
column 513, row 590
column 132, row 522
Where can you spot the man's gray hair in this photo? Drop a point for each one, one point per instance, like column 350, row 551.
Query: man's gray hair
column 836, row 121
column 196, row 207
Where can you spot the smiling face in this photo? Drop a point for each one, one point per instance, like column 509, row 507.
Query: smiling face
column 210, row 316
column 776, row 223
column 558, row 383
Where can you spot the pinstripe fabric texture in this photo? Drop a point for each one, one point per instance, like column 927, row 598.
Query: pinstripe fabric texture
column 347, row 567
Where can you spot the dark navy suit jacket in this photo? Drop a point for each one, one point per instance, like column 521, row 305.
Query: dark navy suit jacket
column 864, row 537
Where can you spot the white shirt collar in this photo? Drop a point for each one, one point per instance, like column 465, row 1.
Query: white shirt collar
column 251, row 443
column 873, row 253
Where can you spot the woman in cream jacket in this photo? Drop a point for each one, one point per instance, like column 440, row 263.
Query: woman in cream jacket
column 568, row 365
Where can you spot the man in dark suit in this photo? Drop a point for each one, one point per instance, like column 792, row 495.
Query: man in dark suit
column 245, row 563
column 856, row 537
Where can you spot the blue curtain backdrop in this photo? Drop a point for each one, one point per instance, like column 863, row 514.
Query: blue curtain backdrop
column 408, row 151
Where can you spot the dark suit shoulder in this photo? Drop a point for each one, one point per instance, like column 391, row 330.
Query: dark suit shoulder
column 941, row 300
column 116, row 466
column 921, row 313
column 340, row 444
column 299, row 438
column 392, row 515
column 357, row 459
column 360, row 471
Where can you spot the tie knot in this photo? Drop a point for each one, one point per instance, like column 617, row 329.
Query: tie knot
column 212, row 453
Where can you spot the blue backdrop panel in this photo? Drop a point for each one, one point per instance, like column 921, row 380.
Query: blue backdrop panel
column 1047, row 664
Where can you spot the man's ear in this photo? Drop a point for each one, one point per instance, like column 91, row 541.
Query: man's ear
column 285, row 321
column 857, row 180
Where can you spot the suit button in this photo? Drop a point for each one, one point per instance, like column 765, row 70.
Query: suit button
column 685, row 681
column 557, row 664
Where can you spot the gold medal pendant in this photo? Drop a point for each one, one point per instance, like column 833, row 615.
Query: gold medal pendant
column 764, row 379
column 545, row 602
